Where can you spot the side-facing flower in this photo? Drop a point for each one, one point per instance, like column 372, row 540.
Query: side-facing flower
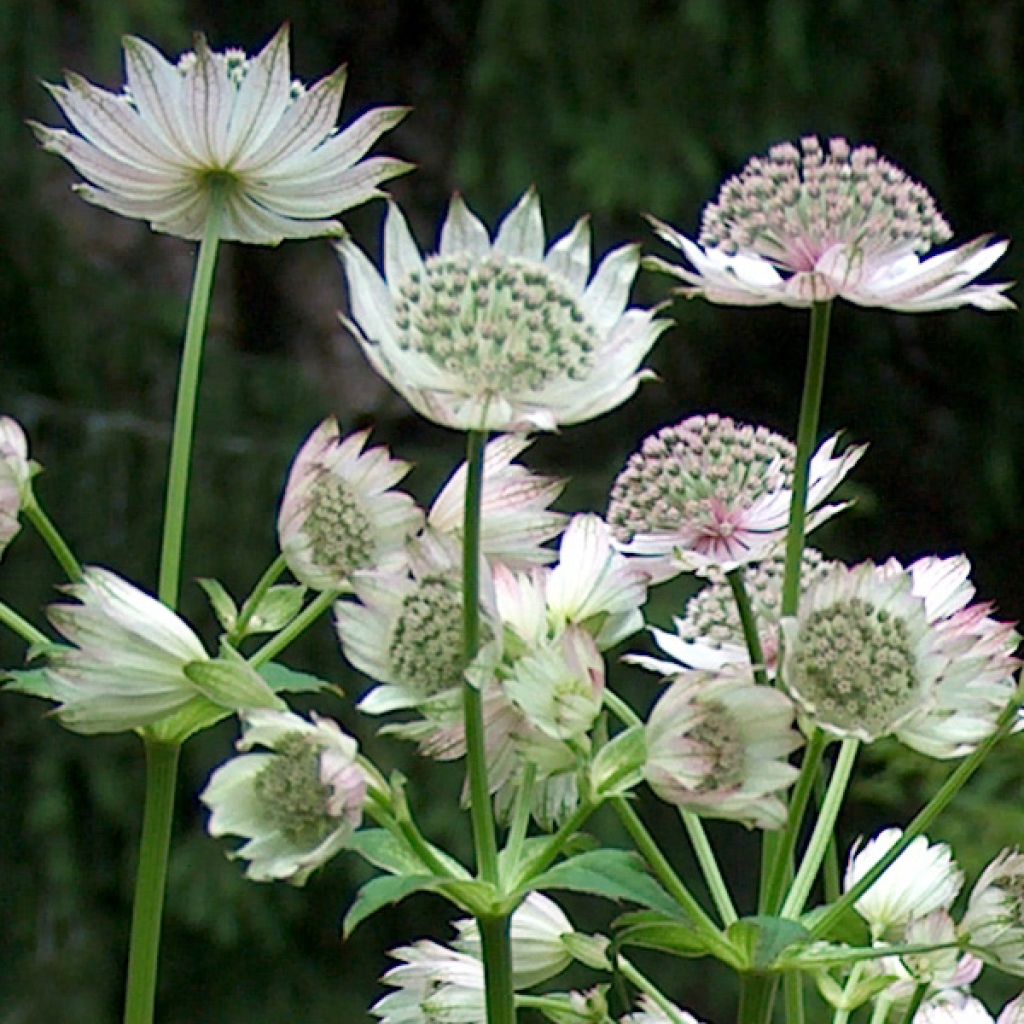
column 924, row 878
column 296, row 803
column 224, row 128
column 717, row 744
column 711, row 493
column 803, row 225
column 515, row 517
column 649, row 1012
column 960, row 1008
column 16, row 471
column 434, row 984
column 339, row 514
column 500, row 335
column 994, row 921
column 127, row 666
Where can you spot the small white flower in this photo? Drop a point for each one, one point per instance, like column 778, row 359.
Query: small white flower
column 717, row 744
column 802, row 226
column 499, row 335
column 650, row 1012
column 296, row 804
column 955, row 1008
column 339, row 515
column 127, row 666
column 994, row 921
column 515, row 520
column 435, row 985
column 924, row 878
column 536, row 931
column 710, row 493
column 16, row 472
column 224, row 124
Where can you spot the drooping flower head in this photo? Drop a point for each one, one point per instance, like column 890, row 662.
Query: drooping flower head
column 713, row 493
column 339, row 515
column 16, row 471
column 296, row 803
column 224, row 124
column 808, row 224
column 433, row 984
column 994, row 921
column 717, row 744
column 499, row 335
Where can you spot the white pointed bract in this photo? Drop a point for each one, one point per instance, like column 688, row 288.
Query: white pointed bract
column 296, row 803
column 127, row 666
column 803, row 225
column 16, row 471
column 994, row 921
column 515, row 520
column 961, row 1008
column 718, row 744
column 883, row 650
column 226, row 125
column 924, row 878
column 710, row 493
column 434, row 984
column 536, row 931
column 499, row 335
column 339, row 515
column 649, row 1012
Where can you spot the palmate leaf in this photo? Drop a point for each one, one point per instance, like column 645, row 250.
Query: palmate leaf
column 388, row 852
column 670, row 933
column 759, row 941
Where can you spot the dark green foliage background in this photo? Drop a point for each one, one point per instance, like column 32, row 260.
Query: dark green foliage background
column 611, row 106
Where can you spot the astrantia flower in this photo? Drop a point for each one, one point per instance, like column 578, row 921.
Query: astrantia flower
column 712, row 493
column 718, row 744
column 803, row 225
column 515, row 520
column 497, row 335
column 127, row 666
column 16, row 471
column 435, row 985
column 924, row 878
column 709, row 633
column 960, row 1008
column 536, row 930
column 650, row 1012
column 296, row 804
column 339, row 515
column 994, row 921
column 226, row 125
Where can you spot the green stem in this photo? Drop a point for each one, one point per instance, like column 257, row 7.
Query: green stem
column 956, row 781
column 644, row 984
column 782, row 861
column 880, row 1013
column 823, row 828
column 842, row 1015
column 276, row 644
column 17, row 624
column 150, row 881
column 806, row 436
column 830, row 867
column 793, row 996
column 554, row 846
column 665, row 873
column 757, row 997
column 749, row 624
column 53, row 540
column 520, row 820
column 912, row 1007
column 620, row 709
column 265, row 582
column 496, row 946
column 185, row 411
column 709, row 867
column 405, row 830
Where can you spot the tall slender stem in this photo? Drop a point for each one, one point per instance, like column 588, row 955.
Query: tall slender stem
column 645, row 985
column 757, row 997
column 147, row 911
column 749, row 623
column 20, row 625
column 53, row 540
column 265, row 582
column 709, row 867
column 185, row 411
column 276, row 644
column 496, row 946
column 823, row 828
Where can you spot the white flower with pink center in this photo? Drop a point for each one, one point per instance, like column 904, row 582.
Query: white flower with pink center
column 710, row 493
column 807, row 224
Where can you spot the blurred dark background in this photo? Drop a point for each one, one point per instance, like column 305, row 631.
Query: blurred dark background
column 610, row 106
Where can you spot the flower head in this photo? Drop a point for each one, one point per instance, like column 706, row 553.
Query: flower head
column 717, row 744
column 127, row 666
column 961, row 1008
column 296, row 804
column 805, row 225
column 649, row 1012
column 434, row 985
column 224, row 125
column 713, row 493
column 922, row 879
column 994, row 921
column 339, row 515
column 499, row 335
column 16, row 471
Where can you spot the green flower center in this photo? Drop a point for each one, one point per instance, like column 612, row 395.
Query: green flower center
column 855, row 667
column 341, row 536
column 499, row 325
column 719, row 737
column 293, row 798
column 426, row 640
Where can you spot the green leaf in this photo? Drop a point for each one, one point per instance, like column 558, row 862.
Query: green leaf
column 850, row 928
column 760, row 940
column 615, row 874
column 618, row 766
column 278, row 606
column 652, row 929
column 232, row 684
column 283, row 679
column 382, row 892
column 33, row 682
column 223, row 604
column 389, row 853
column 198, row 714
